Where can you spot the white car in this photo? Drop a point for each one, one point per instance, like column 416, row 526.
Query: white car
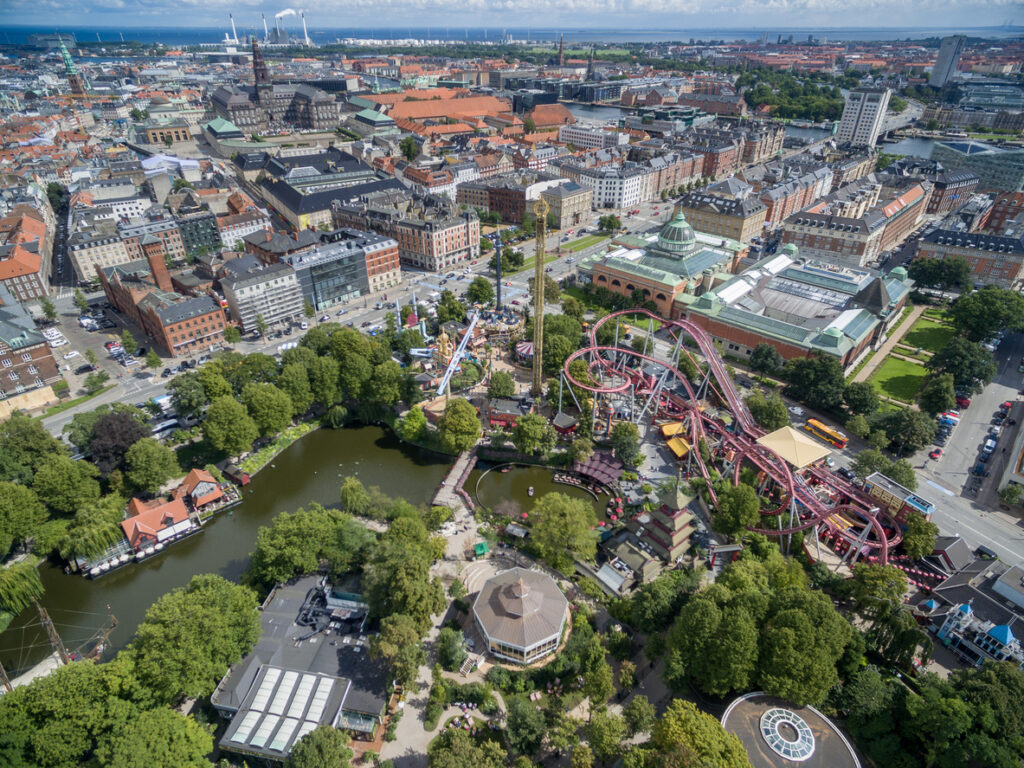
column 54, row 343
column 796, row 410
column 52, row 333
column 72, row 353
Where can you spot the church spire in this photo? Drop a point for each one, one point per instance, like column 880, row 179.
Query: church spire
column 561, row 50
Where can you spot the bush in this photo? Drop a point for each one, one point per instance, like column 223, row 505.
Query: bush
column 390, row 734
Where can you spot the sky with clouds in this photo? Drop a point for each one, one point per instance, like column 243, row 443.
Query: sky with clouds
column 571, row 14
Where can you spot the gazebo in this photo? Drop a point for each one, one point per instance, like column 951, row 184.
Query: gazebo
column 521, row 614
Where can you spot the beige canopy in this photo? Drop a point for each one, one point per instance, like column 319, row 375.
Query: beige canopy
column 796, row 447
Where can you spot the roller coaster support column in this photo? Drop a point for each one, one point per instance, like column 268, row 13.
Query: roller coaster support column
column 853, row 553
column 540, row 210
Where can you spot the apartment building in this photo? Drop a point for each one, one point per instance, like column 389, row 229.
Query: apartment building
column 431, row 233
column 26, row 361
column 94, row 247
column 162, row 227
column 255, row 290
column 863, row 116
column 739, row 219
column 994, row 259
column 1006, row 211
column 26, row 248
column 234, row 227
column 618, row 186
column 336, row 272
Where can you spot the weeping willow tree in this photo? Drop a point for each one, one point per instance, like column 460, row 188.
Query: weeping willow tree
column 19, row 586
column 94, row 529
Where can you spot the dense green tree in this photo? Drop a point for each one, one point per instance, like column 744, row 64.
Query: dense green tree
column 858, row 426
column 562, row 529
column 738, row 509
column 640, row 715
column 296, row 541
column 213, row 381
column 937, row 393
column 113, row 434
column 455, row 748
column 294, row 382
column 532, row 434
column 408, row 340
column 95, row 381
column 980, row 314
column 397, row 580
column 149, row 464
column 384, row 386
column 57, row 720
column 605, row 733
column 24, row 445
column 525, row 726
column 582, row 756
column 451, row 649
column 192, row 635
column 232, row 335
column 188, row 396
column 323, row 747
column 64, row 485
column 95, row 528
column 409, row 148
column 816, row 381
column 945, row 273
column 157, row 738
column 919, row 538
column 459, row 426
column 860, row 397
column 501, row 385
column 770, row 412
column 713, row 646
column 907, row 430
column 49, row 311
column 269, row 407
column 450, row 308
column 480, row 290
column 871, row 460
column 228, row 426
column 557, row 349
column 80, row 301
column 20, row 585
column 766, row 359
column 581, row 449
column 874, row 584
column 399, row 645
column 655, row 604
column 131, row 346
column 966, row 361
column 571, row 307
column 413, row 425
column 625, row 440
column 685, row 726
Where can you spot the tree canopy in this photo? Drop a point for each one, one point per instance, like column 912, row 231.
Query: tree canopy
column 817, row 381
column 966, row 361
column 459, row 426
column 228, row 426
column 770, row 412
column 980, row 314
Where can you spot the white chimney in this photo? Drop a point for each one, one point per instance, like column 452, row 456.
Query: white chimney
column 234, row 34
column 305, row 34
column 266, row 32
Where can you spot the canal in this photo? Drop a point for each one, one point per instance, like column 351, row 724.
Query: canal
column 311, row 470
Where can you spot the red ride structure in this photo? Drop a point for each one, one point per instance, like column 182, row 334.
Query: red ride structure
column 814, row 499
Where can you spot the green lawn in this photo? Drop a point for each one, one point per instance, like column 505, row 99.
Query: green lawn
column 531, row 262
column 77, row 401
column 641, row 322
column 584, row 242
column 903, row 349
column 928, row 334
column 898, row 379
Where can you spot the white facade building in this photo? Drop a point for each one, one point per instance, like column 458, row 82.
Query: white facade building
column 590, row 138
column 618, row 186
column 863, row 116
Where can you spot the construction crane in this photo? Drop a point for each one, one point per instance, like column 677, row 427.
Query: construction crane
column 457, row 356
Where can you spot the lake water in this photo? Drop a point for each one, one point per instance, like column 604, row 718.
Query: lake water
column 310, row 470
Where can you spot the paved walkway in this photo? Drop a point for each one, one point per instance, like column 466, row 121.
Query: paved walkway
column 898, row 333
column 447, row 495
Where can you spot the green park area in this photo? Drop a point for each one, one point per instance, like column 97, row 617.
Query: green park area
column 899, row 379
column 584, row 243
column 929, row 335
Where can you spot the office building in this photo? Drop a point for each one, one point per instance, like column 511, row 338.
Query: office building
column 863, row 116
column 591, row 138
column 569, row 203
column 993, row 259
column 345, row 265
column 253, row 290
column 998, row 168
column 735, row 218
column 946, row 62
column 26, row 361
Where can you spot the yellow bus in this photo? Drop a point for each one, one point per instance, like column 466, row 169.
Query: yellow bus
column 826, row 433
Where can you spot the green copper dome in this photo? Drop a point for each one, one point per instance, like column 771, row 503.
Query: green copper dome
column 677, row 237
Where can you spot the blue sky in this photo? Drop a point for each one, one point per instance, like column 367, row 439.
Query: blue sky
column 576, row 14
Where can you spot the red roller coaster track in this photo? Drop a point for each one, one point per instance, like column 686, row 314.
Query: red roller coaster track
column 742, row 438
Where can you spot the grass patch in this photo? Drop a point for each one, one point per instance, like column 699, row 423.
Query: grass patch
column 899, row 379
column 531, row 262
column 928, row 334
column 584, row 242
column 905, row 351
column 77, row 401
column 935, row 313
column 641, row 322
column 256, row 461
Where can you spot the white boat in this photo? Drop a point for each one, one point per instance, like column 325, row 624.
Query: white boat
column 160, row 546
column 124, row 558
column 150, row 550
column 104, row 567
column 94, row 570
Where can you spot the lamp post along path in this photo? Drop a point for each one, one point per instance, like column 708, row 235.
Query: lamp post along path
column 540, row 210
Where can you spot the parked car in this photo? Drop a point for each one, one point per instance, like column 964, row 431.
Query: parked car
column 935, row 454
column 846, row 473
column 83, row 369
column 985, row 553
column 796, row 410
column 963, row 401
column 989, row 446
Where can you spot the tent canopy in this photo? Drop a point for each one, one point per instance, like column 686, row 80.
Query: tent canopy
column 794, row 446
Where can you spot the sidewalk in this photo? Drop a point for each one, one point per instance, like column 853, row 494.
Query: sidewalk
column 898, row 333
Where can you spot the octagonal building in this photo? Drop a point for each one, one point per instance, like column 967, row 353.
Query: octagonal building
column 521, row 615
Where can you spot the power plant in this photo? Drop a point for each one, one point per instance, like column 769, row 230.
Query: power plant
column 276, row 36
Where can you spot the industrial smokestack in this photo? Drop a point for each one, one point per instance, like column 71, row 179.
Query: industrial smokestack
column 305, row 34
column 266, row 32
column 234, row 34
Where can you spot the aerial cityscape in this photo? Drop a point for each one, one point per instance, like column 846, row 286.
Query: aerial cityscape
column 510, row 385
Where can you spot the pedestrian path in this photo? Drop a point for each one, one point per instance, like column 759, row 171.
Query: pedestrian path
column 448, row 494
column 908, row 322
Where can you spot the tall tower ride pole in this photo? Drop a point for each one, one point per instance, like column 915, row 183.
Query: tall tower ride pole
column 540, row 210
